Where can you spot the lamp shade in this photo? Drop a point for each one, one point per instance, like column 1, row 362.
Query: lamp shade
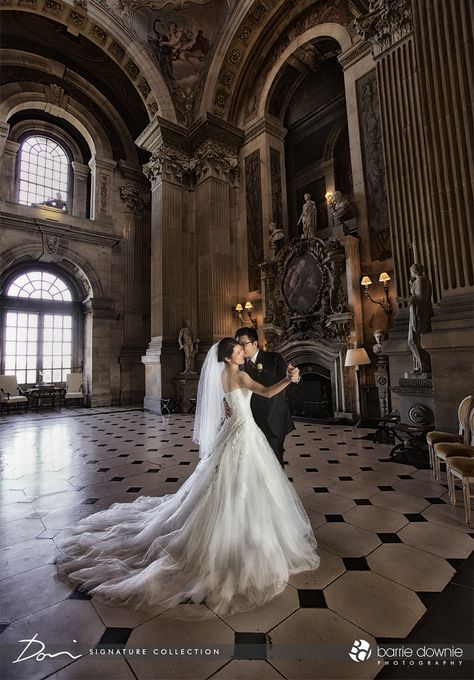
column 248, row 305
column 366, row 281
column 384, row 277
column 238, row 307
column 356, row 357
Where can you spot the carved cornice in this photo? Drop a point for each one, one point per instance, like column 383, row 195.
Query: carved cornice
column 61, row 230
column 387, row 22
column 135, row 196
column 354, row 54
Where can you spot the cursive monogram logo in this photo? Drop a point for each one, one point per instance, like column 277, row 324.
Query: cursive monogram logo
column 40, row 654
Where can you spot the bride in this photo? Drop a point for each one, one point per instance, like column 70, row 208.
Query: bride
column 230, row 536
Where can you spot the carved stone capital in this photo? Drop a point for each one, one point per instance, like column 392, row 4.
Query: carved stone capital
column 387, row 22
column 135, row 196
column 213, row 159
column 167, row 163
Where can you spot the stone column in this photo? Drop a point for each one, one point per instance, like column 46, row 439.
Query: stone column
column 102, row 171
column 79, row 190
column 216, row 177
column 423, row 54
column 135, row 197
column 165, row 171
column 389, row 28
column 445, row 54
column 97, row 359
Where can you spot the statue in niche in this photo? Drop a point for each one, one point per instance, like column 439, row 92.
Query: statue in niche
column 308, row 217
column 275, row 238
column 421, row 313
column 189, row 346
column 335, row 260
column 341, row 207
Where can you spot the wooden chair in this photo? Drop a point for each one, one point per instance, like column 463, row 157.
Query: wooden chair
column 463, row 437
column 74, row 388
column 11, row 394
column 445, row 450
column 462, row 468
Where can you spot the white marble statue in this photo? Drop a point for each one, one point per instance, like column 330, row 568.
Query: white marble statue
column 308, row 217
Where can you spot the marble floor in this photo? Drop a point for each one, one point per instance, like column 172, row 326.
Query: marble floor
column 396, row 559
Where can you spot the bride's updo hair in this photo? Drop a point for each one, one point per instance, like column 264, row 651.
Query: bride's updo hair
column 225, row 348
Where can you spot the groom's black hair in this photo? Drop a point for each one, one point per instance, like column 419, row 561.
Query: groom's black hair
column 251, row 333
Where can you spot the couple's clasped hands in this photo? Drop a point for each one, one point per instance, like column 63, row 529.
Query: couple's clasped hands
column 293, row 373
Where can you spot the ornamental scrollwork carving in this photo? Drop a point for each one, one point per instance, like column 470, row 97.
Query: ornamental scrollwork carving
column 216, row 160
column 167, row 161
column 305, row 292
column 135, row 196
column 387, row 22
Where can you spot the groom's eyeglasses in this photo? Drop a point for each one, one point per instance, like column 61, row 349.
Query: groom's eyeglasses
column 242, row 344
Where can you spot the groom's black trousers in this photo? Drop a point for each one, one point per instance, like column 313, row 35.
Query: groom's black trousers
column 277, row 446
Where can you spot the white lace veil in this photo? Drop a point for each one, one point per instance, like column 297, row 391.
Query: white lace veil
column 210, row 404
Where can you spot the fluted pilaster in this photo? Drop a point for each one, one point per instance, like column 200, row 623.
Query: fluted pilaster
column 444, row 47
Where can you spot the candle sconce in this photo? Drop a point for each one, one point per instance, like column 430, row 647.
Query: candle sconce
column 238, row 309
column 384, row 302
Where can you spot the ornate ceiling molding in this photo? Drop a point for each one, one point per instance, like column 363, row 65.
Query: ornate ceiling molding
column 89, row 18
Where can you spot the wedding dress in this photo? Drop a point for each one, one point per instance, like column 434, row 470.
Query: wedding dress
column 230, row 536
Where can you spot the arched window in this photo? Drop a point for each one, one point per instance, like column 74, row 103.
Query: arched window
column 44, row 173
column 38, row 327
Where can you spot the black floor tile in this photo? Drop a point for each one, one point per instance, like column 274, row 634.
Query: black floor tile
column 117, row 479
column 415, row 517
column 386, row 488
column 134, row 489
column 312, row 599
column 356, row 564
column 250, row 646
column 389, row 538
column 362, row 501
column 115, row 636
column 79, row 595
column 465, row 573
column 320, row 489
column 334, row 518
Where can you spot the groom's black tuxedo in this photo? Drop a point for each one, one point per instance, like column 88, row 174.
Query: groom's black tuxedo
column 271, row 415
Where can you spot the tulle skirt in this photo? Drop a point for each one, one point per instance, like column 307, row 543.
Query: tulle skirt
column 230, row 537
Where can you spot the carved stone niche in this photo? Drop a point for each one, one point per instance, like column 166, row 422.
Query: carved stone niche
column 305, row 293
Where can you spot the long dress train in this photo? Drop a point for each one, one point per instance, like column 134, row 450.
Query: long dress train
column 230, row 536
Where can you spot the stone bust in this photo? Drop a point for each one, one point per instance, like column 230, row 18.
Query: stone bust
column 379, row 336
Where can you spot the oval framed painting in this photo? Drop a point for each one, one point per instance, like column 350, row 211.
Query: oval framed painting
column 302, row 282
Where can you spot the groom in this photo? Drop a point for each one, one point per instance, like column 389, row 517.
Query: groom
column 267, row 368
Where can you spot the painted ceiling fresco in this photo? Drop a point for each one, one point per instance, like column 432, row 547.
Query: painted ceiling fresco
column 180, row 36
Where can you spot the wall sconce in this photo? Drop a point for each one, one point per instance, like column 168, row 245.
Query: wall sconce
column 385, row 302
column 329, row 195
column 248, row 307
